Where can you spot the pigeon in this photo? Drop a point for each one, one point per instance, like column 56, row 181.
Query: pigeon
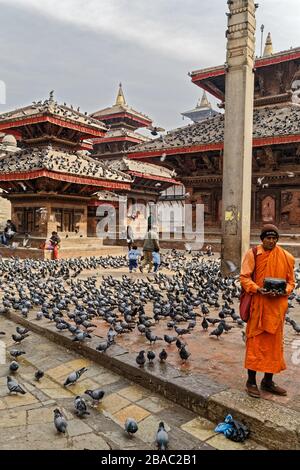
column 218, row 331
column 140, row 359
column 150, row 356
column 16, row 353
column 230, row 265
column 131, row 426
column 102, row 347
column 13, row 366
column 296, row 326
column 260, row 180
column 182, row 331
column 13, row 386
column 39, row 375
column 184, row 353
column 22, row 331
column 74, row 376
column 96, row 394
column 204, row 324
column 151, row 337
column 18, row 338
column 170, row 339
column 162, row 438
column 60, row 421
column 80, row 407
column 81, row 335
column 163, row 355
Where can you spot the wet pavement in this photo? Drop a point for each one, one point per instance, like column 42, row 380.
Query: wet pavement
column 26, row 421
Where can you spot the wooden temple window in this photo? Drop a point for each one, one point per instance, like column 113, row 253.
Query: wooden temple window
column 27, row 219
column 68, row 220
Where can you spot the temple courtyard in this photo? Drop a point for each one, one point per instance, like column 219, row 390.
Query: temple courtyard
column 190, row 396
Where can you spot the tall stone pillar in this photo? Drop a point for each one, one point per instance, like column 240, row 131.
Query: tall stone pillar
column 237, row 164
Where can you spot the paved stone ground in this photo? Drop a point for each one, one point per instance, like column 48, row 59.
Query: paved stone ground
column 221, row 359
column 26, row 421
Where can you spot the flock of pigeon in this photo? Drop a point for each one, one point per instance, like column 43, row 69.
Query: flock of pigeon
column 181, row 303
column 267, row 122
column 59, row 160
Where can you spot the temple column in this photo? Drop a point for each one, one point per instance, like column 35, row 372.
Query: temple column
column 237, row 165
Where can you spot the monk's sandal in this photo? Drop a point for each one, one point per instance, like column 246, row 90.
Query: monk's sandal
column 252, row 390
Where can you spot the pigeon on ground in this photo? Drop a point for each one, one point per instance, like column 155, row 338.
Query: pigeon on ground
column 38, row 375
column 218, row 331
column 162, row 438
column 13, row 386
column 103, row 346
column 204, row 324
column 163, row 355
column 74, row 376
column 60, row 421
column 140, row 359
column 170, row 339
column 18, row 338
column 80, row 407
column 184, row 353
column 150, row 356
column 96, row 394
column 16, row 353
column 21, row 331
column 13, row 366
column 131, row 426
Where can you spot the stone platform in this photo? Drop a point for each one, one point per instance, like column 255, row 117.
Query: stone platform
column 69, row 248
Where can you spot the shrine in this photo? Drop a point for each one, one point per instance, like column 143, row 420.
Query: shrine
column 54, row 183
column 196, row 151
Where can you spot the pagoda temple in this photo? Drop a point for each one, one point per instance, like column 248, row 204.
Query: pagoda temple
column 52, row 179
column 196, row 151
column 149, row 179
column 122, row 122
column 202, row 111
column 56, row 182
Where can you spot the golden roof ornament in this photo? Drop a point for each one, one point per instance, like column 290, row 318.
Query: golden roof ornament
column 120, row 101
column 269, row 46
column 203, row 103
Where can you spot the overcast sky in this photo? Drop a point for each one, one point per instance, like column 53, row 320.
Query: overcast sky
column 82, row 49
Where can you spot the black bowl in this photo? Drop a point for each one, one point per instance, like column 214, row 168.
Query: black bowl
column 276, row 284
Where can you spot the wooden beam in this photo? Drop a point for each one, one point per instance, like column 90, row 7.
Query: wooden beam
column 65, row 187
column 83, row 189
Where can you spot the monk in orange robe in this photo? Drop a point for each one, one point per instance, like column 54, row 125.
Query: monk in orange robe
column 264, row 333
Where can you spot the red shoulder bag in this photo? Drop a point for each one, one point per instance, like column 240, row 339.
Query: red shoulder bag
column 246, row 299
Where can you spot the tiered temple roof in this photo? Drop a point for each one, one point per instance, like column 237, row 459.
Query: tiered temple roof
column 58, row 162
column 271, row 125
column 122, row 114
column 202, row 111
column 23, row 122
column 134, row 167
column 212, row 79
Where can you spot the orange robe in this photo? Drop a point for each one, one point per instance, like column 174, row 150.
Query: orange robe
column 264, row 345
